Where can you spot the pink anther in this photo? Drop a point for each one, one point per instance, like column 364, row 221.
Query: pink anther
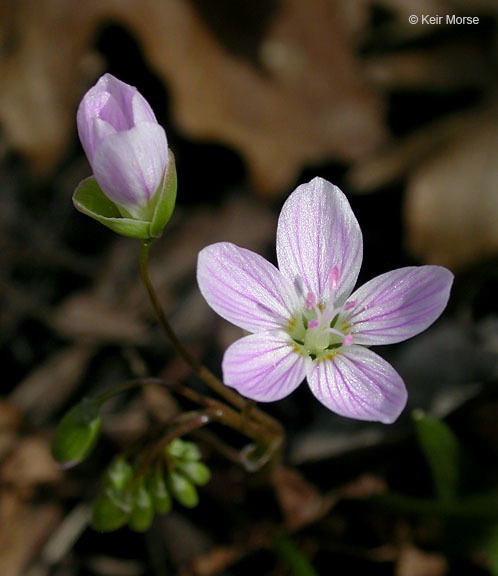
column 347, row 340
column 333, row 278
column 310, row 301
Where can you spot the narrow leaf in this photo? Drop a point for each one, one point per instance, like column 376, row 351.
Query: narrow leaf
column 442, row 452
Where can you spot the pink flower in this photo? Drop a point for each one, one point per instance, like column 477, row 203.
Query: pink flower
column 126, row 147
column 303, row 319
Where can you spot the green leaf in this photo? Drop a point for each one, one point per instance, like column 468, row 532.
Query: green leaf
column 492, row 551
column 89, row 199
column 77, row 433
column 442, row 452
column 292, row 556
column 166, row 199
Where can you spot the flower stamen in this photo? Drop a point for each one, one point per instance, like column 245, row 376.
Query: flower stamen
column 347, row 341
column 310, row 301
column 333, row 278
column 322, row 328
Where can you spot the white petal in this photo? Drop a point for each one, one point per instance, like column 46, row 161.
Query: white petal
column 263, row 366
column 359, row 384
column 129, row 166
column 141, row 110
column 318, row 231
column 243, row 287
column 399, row 304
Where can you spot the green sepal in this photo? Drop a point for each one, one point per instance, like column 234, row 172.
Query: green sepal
column 118, row 474
column 166, row 199
column 89, row 199
column 161, row 497
column 183, row 490
column 442, row 452
column 142, row 511
column 77, row 433
column 107, row 514
column 196, row 471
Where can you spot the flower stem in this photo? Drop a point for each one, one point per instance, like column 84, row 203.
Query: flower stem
column 252, row 457
column 201, row 371
column 273, row 428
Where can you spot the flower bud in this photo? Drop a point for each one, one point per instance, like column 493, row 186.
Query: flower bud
column 183, row 490
column 159, row 492
column 196, row 471
column 133, row 189
column 182, row 450
column 118, row 474
column 142, row 512
column 77, row 433
column 108, row 514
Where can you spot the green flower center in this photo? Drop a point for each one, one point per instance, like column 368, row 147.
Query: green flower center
column 319, row 340
column 320, row 330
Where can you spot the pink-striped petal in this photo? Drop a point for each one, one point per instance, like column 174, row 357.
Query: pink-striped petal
column 359, row 384
column 114, row 103
column 399, row 304
column 88, row 111
column 243, row 287
column 142, row 112
column 263, row 366
column 129, row 166
column 318, row 231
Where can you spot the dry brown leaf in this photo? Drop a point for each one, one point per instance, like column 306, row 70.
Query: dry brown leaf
column 392, row 163
column 197, row 557
column 110, row 566
column 61, row 540
column 306, row 103
column 183, row 538
column 41, row 81
column 9, row 422
column 451, row 207
column 31, row 463
column 23, row 529
column 127, row 425
column 239, row 220
column 84, row 316
column 299, row 501
column 46, row 388
column 362, row 487
column 399, row 29
column 215, row 561
column 414, row 562
column 159, row 403
column 457, row 65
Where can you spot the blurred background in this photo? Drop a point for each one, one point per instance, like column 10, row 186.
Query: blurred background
column 256, row 97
